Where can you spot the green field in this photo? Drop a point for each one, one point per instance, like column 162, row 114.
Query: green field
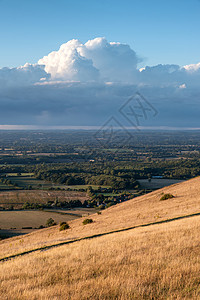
column 110, row 194
column 4, row 187
column 85, row 187
column 22, row 174
column 27, row 181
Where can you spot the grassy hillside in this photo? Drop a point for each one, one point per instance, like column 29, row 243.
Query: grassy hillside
column 141, row 210
column 156, row 262
column 159, row 261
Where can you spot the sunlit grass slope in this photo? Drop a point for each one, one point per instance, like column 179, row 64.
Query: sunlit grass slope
column 141, row 210
column 157, row 262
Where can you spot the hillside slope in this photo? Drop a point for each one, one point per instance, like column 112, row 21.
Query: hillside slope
column 141, row 210
column 156, row 262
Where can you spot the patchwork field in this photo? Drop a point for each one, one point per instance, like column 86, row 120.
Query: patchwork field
column 4, row 187
column 18, row 198
column 27, row 181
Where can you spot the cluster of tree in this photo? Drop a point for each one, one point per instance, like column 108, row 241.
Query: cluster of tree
column 55, row 204
column 8, row 182
column 118, row 175
column 87, row 174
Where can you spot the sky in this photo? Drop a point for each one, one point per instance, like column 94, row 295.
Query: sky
column 165, row 32
column 91, row 63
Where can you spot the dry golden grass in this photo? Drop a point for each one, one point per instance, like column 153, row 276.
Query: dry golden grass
column 141, row 210
column 157, row 262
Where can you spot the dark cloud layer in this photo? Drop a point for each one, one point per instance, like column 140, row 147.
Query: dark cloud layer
column 86, row 84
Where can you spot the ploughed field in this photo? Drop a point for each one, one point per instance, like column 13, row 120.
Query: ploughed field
column 13, row 223
column 18, row 198
column 34, row 218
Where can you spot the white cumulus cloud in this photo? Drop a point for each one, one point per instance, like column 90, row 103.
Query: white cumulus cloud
column 192, row 67
column 68, row 64
column 22, row 76
column 96, row 59
column 115, row 61
column 84, row 84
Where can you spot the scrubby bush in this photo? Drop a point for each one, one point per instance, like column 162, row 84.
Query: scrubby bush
column 102, row 206
column 27, row 227
column 62, row 223
column 64, row 226
column 41, row 226
column 109, row 204
column 50, row 222
column 87, row 221
column 166, row 196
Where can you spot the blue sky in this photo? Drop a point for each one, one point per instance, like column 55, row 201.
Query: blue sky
column 159, row 31
column 87, row 79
